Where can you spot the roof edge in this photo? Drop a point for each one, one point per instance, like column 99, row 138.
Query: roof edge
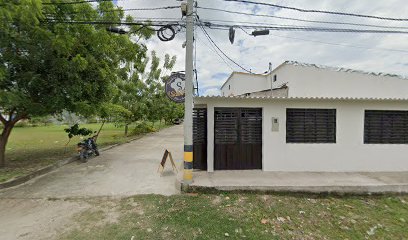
column 304, row 98
column 234, row 72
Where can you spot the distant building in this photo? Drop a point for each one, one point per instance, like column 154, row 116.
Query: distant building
column 304, row 117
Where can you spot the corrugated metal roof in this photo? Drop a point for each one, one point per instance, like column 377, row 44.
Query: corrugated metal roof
column 303, row 98
column 340, row 69
column 334, row 69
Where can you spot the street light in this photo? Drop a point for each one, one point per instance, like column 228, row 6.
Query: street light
column 117, row 30
column 260, row 33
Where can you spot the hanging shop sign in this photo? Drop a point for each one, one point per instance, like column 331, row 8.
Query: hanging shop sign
column 176, row 87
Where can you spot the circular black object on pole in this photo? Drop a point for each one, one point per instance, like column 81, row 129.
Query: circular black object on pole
column 162, row 33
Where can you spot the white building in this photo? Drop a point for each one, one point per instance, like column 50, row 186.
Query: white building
column 310, row 80
column 316, row 119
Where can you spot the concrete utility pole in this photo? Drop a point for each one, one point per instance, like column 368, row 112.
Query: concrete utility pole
column 188, row 112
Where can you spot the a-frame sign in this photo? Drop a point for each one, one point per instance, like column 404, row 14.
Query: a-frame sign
column 166, row 155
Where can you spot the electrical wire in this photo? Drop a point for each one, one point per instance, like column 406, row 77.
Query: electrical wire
column 209, row 37
column 300, row 20
column 134, row 9
column 147, row 23
column 162, row 33
column 146, row 19
column 212, row 48
column 76, row 2
column 143, row 9
column 301, row 28
column 195, row 61
column 344, row 45
column 319, row 11
column 263, row 24
column 340, row 44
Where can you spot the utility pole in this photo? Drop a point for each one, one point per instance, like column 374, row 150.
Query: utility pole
column 188, row 112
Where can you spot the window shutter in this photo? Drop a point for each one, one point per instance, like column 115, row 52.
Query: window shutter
column 226, row 125
column 310, row 125
column 200, row 125
column 251, row 125
column 385, row 127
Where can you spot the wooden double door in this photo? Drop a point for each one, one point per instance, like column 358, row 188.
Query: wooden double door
column 237, row 138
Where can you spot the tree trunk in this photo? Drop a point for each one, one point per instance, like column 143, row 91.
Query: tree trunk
column 100, row 129
column 126, row 130
column 3, row 142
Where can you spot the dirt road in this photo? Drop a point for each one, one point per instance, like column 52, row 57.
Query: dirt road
column 42, row 208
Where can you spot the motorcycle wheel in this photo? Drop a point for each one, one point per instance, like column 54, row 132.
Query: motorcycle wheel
column 82, row 157
column 96, row 152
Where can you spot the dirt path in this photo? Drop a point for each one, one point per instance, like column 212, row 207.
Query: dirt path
column 41, row 208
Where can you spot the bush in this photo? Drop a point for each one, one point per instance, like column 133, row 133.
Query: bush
column 22, row 124
column 40, row 121
column 143, row 127
column 92, row 120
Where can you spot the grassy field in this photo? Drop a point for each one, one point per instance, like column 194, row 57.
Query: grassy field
column 242, row 216
column 31, row 148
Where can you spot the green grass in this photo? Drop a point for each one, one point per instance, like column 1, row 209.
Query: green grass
column 243, row 216
column 30, row 148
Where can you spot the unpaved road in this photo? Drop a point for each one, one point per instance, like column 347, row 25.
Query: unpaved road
column 42, row 208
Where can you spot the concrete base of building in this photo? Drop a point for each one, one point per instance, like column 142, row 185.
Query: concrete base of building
column 302, row 182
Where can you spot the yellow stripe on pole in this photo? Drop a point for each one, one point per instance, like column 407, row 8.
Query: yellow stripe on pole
column 188, row 175
column 188, row 156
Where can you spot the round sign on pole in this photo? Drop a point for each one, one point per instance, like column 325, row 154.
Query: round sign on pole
column 176, row 87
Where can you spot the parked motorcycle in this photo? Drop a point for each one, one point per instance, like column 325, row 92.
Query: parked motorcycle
column 87, row 149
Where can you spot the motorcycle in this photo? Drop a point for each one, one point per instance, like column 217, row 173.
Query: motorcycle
column 87, row 149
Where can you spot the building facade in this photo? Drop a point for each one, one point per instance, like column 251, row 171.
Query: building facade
column 310, row 80
column 330, row 121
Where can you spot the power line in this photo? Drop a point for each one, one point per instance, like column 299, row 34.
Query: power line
column 318, row 11
column 300, row 20
column 137, row 9
column 262, row 24
column 302, row 28
column 195, row 59
column 149, row 9
column 212, row 48
column 146, row 9
column 147, row 23
column 146, row 19
column 134, row 9
column 342, row 45
column 76, row 2
column 209, row 37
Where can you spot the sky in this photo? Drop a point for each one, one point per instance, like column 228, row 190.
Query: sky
column 371, row 52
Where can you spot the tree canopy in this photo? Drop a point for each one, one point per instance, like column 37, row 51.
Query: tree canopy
column 48, row 64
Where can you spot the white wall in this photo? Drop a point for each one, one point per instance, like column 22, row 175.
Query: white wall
column 307, row 81
column 242, row 83
column 349, row 154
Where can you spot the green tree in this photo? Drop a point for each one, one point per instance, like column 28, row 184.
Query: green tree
column 142, row 91
column 48, row 65
column 157, row 101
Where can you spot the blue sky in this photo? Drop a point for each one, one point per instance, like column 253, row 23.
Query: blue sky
column 331, row 49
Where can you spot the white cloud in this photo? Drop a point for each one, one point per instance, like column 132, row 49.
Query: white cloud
column 212, row 92
column 256, row 53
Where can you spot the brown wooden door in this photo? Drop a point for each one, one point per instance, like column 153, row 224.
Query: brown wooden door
column 238, row 138
column 200, row 138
